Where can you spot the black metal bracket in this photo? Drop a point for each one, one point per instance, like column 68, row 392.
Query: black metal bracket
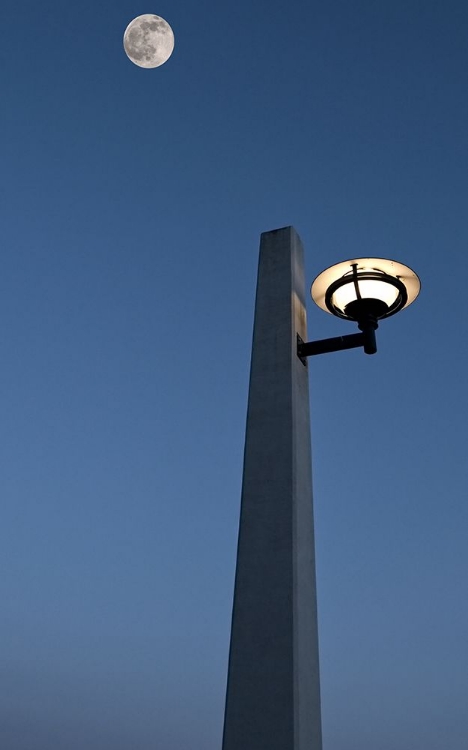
column 366, row 339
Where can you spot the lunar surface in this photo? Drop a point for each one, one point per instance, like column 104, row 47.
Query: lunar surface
column 148, row 41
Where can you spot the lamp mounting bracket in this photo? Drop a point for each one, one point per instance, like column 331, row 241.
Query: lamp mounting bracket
column 366, row 339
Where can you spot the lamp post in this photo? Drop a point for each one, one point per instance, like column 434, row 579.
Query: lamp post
column 273, row 687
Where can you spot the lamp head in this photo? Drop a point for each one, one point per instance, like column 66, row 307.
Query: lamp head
column 365, row 289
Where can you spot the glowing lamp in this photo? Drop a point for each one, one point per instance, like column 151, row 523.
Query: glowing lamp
column 373, row 286
column 364, row 290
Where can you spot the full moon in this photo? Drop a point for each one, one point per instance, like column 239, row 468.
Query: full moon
column 148, row 41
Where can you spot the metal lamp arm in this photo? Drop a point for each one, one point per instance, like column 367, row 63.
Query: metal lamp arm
column 366, row 339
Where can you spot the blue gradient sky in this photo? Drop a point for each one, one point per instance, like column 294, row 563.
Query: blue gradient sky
column 132, row 206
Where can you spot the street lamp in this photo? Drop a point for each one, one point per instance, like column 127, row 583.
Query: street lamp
column 273, row 686
column 364, row 290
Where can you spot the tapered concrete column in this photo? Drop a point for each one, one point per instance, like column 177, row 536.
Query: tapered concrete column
column 273, row 691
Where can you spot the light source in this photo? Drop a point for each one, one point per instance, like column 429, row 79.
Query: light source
column 364, row 290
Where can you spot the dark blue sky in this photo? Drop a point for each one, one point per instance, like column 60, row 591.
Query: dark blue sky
column 133, row 201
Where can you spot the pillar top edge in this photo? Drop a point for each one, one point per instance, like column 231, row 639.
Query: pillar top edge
column 288, row 228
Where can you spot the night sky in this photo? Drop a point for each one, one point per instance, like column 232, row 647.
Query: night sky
column 132, row 206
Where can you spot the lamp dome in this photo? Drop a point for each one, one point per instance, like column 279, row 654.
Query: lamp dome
column 374, row 286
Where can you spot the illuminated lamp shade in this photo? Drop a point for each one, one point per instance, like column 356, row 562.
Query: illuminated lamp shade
column 365, row 288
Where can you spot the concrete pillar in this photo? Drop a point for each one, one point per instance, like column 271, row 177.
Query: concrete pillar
column 273, row 690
